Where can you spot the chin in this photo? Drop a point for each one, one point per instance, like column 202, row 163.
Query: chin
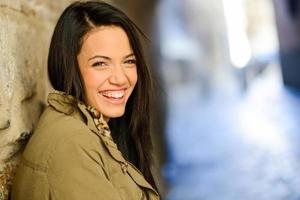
column 114, row 114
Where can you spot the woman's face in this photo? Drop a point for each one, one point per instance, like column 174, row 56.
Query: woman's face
column 108, row 68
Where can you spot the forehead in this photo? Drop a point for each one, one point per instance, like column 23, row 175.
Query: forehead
column 106, row 38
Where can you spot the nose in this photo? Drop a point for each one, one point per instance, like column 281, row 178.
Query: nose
column 118, row 76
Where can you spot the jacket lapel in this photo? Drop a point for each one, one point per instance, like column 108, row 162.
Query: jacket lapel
column 139, row 179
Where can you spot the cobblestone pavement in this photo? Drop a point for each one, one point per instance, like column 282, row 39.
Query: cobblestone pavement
column 235, row 146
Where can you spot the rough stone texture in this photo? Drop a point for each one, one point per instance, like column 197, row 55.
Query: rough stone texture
column 26, row 28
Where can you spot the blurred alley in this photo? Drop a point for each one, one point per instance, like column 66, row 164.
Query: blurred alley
column 232, row 126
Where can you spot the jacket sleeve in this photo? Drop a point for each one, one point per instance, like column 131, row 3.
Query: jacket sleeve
column 77, row 171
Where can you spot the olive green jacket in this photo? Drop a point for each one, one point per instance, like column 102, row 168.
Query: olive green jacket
column 67, row 158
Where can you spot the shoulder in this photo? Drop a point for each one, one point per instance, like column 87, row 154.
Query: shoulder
column 58, row 133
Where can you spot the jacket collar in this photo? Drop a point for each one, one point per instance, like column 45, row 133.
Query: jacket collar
column 69, row 105
column 62, row 102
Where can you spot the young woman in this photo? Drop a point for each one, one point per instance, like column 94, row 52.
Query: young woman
column 93, row 140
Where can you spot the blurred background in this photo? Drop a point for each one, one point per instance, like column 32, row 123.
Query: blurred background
column 227, row 92
column 229, row 86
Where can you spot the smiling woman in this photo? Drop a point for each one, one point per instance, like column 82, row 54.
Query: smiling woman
column 93, row 139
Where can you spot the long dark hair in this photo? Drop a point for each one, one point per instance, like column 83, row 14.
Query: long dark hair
column 131, row 132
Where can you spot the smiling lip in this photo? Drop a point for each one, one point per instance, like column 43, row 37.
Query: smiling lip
column 114, row 96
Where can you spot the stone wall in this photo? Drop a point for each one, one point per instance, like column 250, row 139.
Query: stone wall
column 25, row 30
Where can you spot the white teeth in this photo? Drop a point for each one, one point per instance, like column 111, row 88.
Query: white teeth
column 113, row 94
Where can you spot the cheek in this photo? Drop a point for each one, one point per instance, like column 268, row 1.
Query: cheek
column 133, row 77
column 92, row 79
column 89, row 79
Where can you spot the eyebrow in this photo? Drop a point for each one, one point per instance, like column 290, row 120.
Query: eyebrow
column 129, row 55
column 108, row 58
